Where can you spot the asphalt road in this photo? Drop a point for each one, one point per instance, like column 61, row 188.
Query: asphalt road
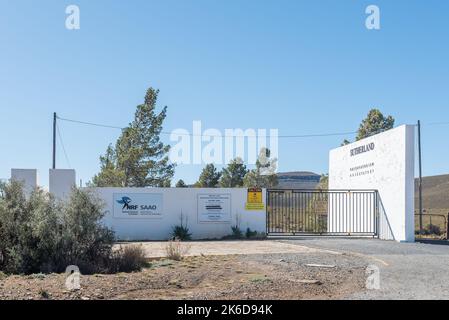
column 407, row 270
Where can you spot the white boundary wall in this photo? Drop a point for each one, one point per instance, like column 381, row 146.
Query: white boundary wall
column 383, row 162
column 159, row 209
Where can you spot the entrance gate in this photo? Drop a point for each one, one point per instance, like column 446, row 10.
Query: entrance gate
column 322, row 212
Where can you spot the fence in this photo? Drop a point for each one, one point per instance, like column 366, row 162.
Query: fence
column 434, row 226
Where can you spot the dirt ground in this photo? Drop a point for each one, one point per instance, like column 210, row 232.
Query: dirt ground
column 275, row 276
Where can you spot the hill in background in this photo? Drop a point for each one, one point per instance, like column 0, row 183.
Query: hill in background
column 298, row 180
column 435, row 194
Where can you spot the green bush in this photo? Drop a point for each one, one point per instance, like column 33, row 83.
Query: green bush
column 40, row 234
column 254, row 234
column 236, row 234
column 181, row 233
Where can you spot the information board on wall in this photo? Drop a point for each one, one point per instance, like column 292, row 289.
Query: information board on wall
column 138, row 205
column 214, row 207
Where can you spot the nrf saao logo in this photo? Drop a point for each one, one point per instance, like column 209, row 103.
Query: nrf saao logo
column 126, row 202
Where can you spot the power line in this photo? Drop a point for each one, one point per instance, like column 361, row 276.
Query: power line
column 91, row 123
column 224, row 136
column 218, row 136
column 437, row 124
column 63, row 148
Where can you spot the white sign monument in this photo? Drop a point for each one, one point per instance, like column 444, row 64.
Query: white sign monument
column 382, row 162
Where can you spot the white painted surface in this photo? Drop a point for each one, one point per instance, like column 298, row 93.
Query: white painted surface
column 174, row 202
column 388, row 168
column 61, row 182
column 26, row 176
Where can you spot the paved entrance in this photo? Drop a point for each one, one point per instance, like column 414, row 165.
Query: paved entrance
column 407, row 270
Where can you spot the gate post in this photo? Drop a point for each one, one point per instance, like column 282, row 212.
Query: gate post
column 447, row 227
column 377, row 214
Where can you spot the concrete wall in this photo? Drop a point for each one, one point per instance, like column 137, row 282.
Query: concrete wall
column 28, row 177
column 384, row 162
column 159, row 209
column 61, row 182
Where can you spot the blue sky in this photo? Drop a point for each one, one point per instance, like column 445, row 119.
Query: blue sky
column 300, row 66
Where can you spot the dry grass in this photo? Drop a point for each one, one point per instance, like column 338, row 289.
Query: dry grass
column 176, row 250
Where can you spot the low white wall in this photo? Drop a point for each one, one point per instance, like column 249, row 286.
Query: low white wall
column 383, row 162
column 162, row 208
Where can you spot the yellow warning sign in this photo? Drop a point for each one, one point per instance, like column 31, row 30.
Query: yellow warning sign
column 254, row 199
column 254, row 195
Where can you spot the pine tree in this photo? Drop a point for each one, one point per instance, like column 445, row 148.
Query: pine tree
column 232, row 176
column 181, row 184
column 209, row 177
column 374, row 123
column 139, row 158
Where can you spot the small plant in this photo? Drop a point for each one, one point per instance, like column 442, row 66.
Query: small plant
column 432, row 229
column 44, row 294
column 260, row 279
column 129, row 259
column 250, row 234
column 181, row 232
column 176, row 250
column 255, row 235
column 237, row 233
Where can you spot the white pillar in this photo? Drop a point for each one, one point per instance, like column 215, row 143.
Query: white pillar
column 61, row 182
column 28, row 177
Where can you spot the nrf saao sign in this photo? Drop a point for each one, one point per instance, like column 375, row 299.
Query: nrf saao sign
column 138, row 205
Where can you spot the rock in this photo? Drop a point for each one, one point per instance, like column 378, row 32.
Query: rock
column 85, row 298
column 320, row 266
column 318, row 282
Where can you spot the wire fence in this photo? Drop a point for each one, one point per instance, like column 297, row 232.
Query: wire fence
column 434, row 226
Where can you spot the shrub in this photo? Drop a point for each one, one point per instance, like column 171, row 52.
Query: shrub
column 254, row 234
column 181, row 232
column 237, row 233
column 128, row 259
column 176, row 250
column 40, row 234
column 432, row 229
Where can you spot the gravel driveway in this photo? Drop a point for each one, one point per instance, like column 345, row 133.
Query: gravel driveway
column 407, row 270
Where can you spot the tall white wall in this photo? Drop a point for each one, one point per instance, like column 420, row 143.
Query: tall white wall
column 383, row 162
column 165, row 205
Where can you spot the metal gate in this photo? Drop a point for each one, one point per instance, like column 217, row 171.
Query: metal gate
column 322, row 212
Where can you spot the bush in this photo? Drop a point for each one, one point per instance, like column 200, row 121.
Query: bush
column 40, row 234
column 181, row 232
column 254, row 234
column 432, row 229
column 235, row 235
column 128, row 259
column 176, row 250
